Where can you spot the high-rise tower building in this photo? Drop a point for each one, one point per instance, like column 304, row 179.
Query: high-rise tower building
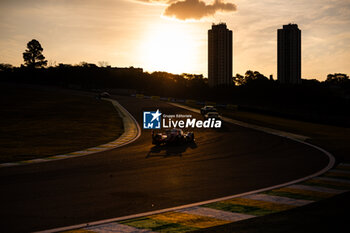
column 219, row 56
column 289, row 54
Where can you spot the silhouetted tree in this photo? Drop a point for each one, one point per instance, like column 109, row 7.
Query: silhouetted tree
column 5, row 66
column 87, row 65
column 191, row 76
column 337, row 79
column 52, row 63
column 62, row 66
column 250, row 77
column 310, row 82
column 103, row 63
column 255, row 78
column 239, row 80
column 33, row 56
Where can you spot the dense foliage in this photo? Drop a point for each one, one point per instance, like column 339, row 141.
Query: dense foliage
column 32, row 56
column 326, row 101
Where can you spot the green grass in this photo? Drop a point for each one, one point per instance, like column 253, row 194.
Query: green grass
column 157, row 225
column 236, row 208
column 328, row 215
column 293, row 195
column 36, row 123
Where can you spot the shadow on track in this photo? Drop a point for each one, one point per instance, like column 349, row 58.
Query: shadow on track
column 170, row 150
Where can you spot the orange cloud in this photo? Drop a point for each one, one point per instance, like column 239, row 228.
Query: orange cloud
column 156, row 1
column 196, row 9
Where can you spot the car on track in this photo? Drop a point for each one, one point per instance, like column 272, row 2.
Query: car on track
column 208, row 108
column 213, row 115
column 172, row 136
column 104, row 95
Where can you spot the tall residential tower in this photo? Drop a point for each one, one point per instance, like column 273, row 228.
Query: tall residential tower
column 219, row 56
column 289, row 54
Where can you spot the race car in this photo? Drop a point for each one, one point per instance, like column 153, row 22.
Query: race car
column 207, row 109
column 172, row 136
column 104, row 95
column 214, row 115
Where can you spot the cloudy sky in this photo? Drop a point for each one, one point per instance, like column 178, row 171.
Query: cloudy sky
column 171, row 35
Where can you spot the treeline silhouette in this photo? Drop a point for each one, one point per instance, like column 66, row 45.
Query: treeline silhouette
column 324, row 102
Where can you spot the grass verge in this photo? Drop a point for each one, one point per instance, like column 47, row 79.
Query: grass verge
column 324, row 216
column 334, row 139
column 329, row 215
column 38, row 122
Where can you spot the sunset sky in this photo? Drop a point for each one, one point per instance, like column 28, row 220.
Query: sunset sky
column 162, row 35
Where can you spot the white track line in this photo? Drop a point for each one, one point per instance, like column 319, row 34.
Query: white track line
column 320, row 172
column 128, row 114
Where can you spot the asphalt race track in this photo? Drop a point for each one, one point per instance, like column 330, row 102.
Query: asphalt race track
column 139, row 177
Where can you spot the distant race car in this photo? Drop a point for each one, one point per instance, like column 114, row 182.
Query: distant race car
column 207, row 109
column 172, row 136
column 104, row 95
column 214, row 115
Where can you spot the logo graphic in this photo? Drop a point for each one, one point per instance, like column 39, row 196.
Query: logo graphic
column 151, row 120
